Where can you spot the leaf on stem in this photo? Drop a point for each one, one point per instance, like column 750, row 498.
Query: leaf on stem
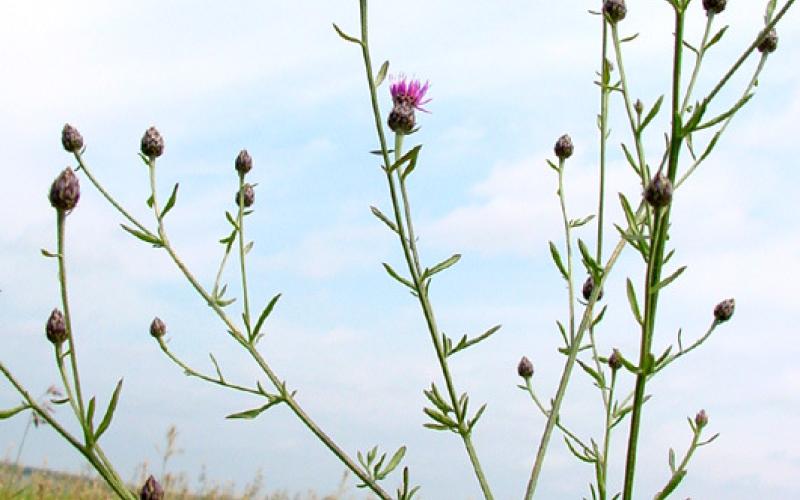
column 769, row 11
column 392, row 465
column 690, row 47
column 383, row 218
column 580, row 222
column 265, row 314
column 170, row 202
column 251, row 414
column 592, row 373
column 146, row 237
column 630, row 159
column 717, row 37
column 4, row 414
column 464, row 342
column 578, row 455
column 150, row 201
column 632, row 301
column 396, row 276
column 591, row 265
column 435, row 397
column 474, row 420
column 112, row 406
column 441, row 266
column 381, row 73
column 440, row 418
column 669, row 279
column 346, row 36
column 216, row 367
column 651, row 114
column 673, row 483
column 557, row 259
column 736, row 107
column 48, row 253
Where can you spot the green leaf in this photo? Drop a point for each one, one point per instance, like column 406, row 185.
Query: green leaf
column 652, row 113
column 396, row 276
column 557, row 259
column 440, row 418
column 393, row 463
column 464, row 342
column 769, row 11
column 216, row 367
column 435, row 397
column 232, row 220
column 474, row 420
column 697, row 115
column 629, row 38
column 736, row 107
column 580, row 222
column 381, row 73
column 671, row 485
column 630, row 159
column 633, row 302
column 717, row 37
column 47, row 253
column 671, row 460
column 146, row 237
column 710, row 146
column 690, row 47
column 588, row 260
column 248, row 247
column 251, row 414
column 592, row 373
column 578, row 455
column 150, row 201
column 383, row 218
column 170, row 202
column 265, row 314
column 552, row 165
column 666, row 281
column 112, row 406
column 346, row 36
column 4, row 414
column 441, row 266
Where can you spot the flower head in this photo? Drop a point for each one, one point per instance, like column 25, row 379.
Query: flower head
column 157, row 328
column 152, row 143
column 65, row 191
column 71, row 139
column 724, row 310
column 407, row 96
column 525, row 368
column 56, row 327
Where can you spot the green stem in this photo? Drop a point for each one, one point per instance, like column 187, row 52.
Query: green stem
column 240, row 223
column 681, row 469
column 546, row 413
column 602, row 480
column 701, row 51
column 568, row 242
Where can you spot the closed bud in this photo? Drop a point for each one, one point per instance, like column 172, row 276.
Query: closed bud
column 247, row 194
column 659, row 192
column 701, row 419
column 714, row 6
column 525, row 368
column 615, row 10
column 157, row 328
column 724, row 310
column 65, row 191
column 151, row 490
column 770, row 42
column 56, row 328
column 401, row 118
column 615, row 360
column 152, row 143
column 588, row 288
column 638, row 107
column 564, row 147
column 71, row 139
column 244, row 162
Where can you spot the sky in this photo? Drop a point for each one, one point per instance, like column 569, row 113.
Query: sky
column 507, row 79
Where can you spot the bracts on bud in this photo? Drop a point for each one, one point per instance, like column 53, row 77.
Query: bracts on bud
column 525, row 368
column 714, row 6
column 588, row 288
column 701, row 419
column 659, row 192
column 724, row 310
column 152, row 143
column 769, row 43
column 244, row 162
column 71, row 139
column 65, row 191
column 615, row 360
column 615, row 10
column 56, row 328
column 564, row 147
column 246, row 195
column 157, row 328
column 151, row 490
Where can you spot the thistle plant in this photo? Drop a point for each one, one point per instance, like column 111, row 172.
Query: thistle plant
column 697, row 119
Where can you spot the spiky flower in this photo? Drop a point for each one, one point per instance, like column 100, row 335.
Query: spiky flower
column 588, row 288
column 151, row 490
column 701, row 419
column 71, row 139
column 152, row 143
column 615, row 10
column 615, row 360
column 65, row 191
column 56, row 328
column 659, row 192
column 724, row 310
column 407, row 96
column 244, row 162
column 564, row 147
column 157, row 328
column 714, row 6
column 770, row 42
column 525, row 368
column 247, row 194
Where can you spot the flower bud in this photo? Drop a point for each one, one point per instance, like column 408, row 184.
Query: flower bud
column 65, row 191
column 615, row 10
column 401, row 118
column 659, row 192
column 638, row 106
column 152, row 143
column 770, row 42
column 564, row 147
column 724, row 310
column 248, row 194
column 615, row 360
column 71, row 139
column 525, row 368
column 56, row 328
column 157, row 328
column 151, row 490
column 701, row 419
column 588, row 288
column 714, row 6
column 244, row 162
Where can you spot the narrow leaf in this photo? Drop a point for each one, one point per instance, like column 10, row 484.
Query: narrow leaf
column 112, row 406
column 557, row 259
column 150, row 201
column 671, row 485
column 251, row 414
column 666, row 281
column 396, row 276
column 265, row 313
column 47, row 253
column 346, row 36
column 477, row 416
column 170, row 201
column 464, row 343
column 393, row 462
column 633, row 302
column 146, row 237
column 652, row 113
column 381, row 73
column 441, row 266
column 383, row 218
column 717, row 37
column 4, row 414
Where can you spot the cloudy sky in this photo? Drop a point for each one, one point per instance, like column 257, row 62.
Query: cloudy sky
column 508, row 78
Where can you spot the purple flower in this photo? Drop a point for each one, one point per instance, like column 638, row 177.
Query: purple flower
column 409, row 92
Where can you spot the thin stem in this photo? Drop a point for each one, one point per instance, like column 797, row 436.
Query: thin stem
column 681, row 469
column 701, row 51
column 604, row 97
column 242, row 254
column 603, row 475
column 568, row 242
column 546, row 413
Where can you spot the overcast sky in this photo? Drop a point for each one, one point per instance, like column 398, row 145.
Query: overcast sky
column 507, row 78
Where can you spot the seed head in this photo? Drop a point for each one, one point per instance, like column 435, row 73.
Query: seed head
column 659, row 192
column 151, row 490
column 525, row 368
column 157, row 328
column 65, row 191
column 152, row 143
column 588, row 288
column 71, row 139
column 56, row 328
column 701, row 419
column 724, row 310
column 564, row 147
column 714, row 6
column 407, row 96
column 615, row 360
column 244, row 162
column 615, row 10
column 248, row 193
column 770, row 42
